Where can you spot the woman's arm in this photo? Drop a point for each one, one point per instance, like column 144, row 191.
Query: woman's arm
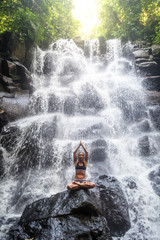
column 75, row 152
column 86, row 152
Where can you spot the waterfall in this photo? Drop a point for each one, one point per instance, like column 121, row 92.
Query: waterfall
column 75, row 99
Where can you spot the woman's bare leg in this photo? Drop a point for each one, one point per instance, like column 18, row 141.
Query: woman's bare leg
column 73, row 186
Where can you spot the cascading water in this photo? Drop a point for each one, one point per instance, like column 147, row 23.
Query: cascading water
column 76, row 100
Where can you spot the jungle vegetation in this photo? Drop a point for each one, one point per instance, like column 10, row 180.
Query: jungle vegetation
column 130, row 19
column 39, row 20
column 44, row 21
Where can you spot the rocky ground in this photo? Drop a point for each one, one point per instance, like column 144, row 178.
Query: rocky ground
column 80, row 214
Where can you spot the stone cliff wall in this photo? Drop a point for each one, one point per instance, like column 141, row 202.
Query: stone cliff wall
column 15, row 78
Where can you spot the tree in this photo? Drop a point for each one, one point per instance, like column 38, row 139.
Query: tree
column 42, row 21
column 130, row 19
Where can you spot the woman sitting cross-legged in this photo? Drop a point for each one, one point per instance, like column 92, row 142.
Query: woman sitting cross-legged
column 80, row 167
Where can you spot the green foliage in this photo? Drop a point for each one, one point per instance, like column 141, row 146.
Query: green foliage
column 40, row 20
column 130, row 19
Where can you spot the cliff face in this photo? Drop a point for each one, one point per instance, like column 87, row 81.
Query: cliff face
column 83, row 214
column 15, row 77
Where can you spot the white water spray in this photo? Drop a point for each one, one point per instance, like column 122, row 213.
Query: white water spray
column 73, row 101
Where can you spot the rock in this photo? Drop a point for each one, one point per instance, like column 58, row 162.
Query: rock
column 9, row 69
column 151, row 83
column 139, row 111
column 54, row 103
column 152, row 97
column 2, row 168
column 141, row 60
column 25, row 77
column 19, row 74
column 144, row 146
column 16, row 104
column 114, row 205
column 154, row 176
column 98, row 151
column 8, row 84
column 148, row 68
column 155, row 116
column 127, row 51
column 89, row 100
column 73, row 215
column 94, row 130
column 141, row 53
column 156, row 50
column 102, row 45
column 144, row 126
column 79, row 42
column 36, row 148
column 49, row 65
column 70, row 105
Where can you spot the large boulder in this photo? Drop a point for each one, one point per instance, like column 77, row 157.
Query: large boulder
column 84, row 214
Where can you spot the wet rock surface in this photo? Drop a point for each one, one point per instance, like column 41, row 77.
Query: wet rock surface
column 84, row 214
column 154, row 176
column 15, row 78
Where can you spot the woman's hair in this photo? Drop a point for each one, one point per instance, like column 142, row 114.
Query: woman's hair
column 80, row 153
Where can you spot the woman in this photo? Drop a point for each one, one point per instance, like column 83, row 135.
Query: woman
column 80, row 167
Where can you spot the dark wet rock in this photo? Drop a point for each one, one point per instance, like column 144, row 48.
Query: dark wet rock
column 132, row 184
column 25, row 79
column 144, row 126
column 2, row 167
column 89, row 99
column 3, row 119
column 155, row 116
column 114, row 205
column 95, row 130
column 79, row 42
column 70, row 67
column 151, row 83
column 19, row 74
column 98, row 151
column 131, row 105
column 49, row 65
column 9, row 69
column 139, row 111
column 152, row 97
column 82, row 214
column 15, row 104
column 55, row 103
column 98, row 155
column 149, row 68
column 35, row 150
column 70, row 105
column 144, row 146
column 102, row 45
column 154, row 176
